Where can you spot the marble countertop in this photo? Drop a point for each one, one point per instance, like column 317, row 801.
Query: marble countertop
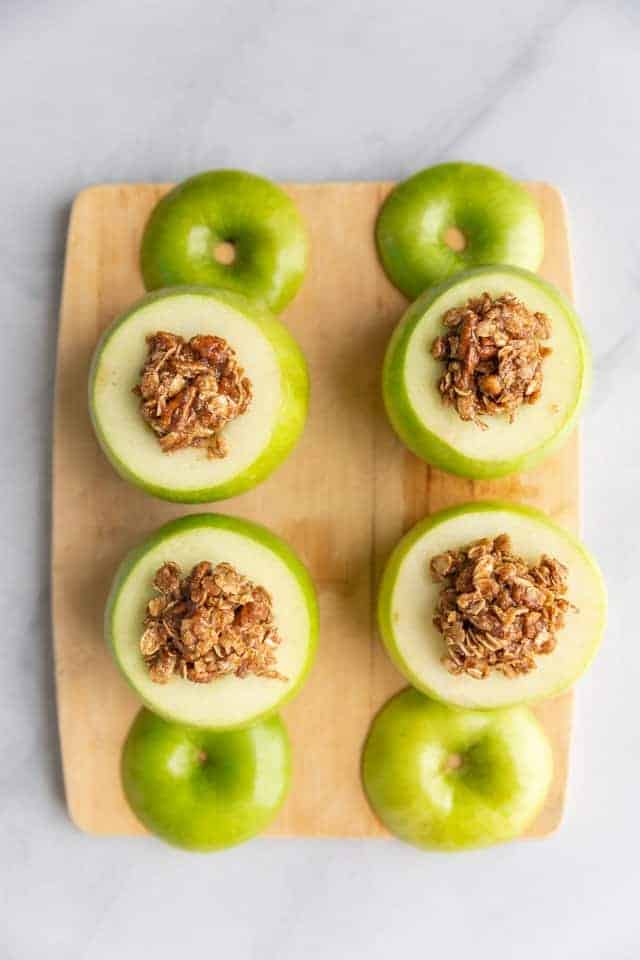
column 345, row 89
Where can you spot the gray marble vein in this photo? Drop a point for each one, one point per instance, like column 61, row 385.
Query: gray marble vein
column 300, row 89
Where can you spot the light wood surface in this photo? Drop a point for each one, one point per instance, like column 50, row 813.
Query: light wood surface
column 342, row 500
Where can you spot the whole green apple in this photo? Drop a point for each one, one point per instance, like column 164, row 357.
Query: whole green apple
column 202, row 789
column 493, row 217
column 434, row 431
column 229, row 229
column 409, row 596
column 442, row 778
column 229, row 702
column 258, row 441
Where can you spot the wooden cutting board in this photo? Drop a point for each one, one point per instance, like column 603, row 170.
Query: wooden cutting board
column 343, row 499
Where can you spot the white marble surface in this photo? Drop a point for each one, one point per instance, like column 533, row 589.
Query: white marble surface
column 96, row 91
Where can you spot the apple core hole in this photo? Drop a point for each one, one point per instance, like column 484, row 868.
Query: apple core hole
column 455, row 239
column 224, row 253
column 453, row 762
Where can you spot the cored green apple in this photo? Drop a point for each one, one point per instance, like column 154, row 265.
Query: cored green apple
column 258, row 441
column 435, row 432
column 453, row 217
column 408, row 598
column 229, row 229
column 230, row 701
column 448, row 779
column 201, row 789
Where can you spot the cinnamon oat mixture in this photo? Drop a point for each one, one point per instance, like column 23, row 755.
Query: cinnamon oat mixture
column 495, row 611
column 493, row 355
column 208, row 624
column 190, row 391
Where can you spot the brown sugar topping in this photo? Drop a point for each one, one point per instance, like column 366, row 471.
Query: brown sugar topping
column 209, row 624
column 495, row 611
column 190, row 390
column 493, row 354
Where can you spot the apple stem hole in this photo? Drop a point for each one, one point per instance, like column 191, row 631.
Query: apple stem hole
column 455, row 239
column 202, row 757
column 453, row 762
column 224, row 253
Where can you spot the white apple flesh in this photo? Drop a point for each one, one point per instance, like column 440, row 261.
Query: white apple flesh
column 258, row 441
column 435, row 432
column 228, row 702
column 408, row 598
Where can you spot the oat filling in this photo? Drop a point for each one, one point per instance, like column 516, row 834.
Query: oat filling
column 492, row 353
column 208, row 624
column 496, row 612
column 190, row 390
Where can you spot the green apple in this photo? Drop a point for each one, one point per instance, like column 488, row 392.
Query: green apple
column 408, row 598
column 258, row 441
column 435, row 432
column 448, row 779
column 236, row 212
column 258, row 554
column 201, row 789
column 493, row 216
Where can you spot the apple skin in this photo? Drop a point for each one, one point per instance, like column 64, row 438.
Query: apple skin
column 498, row 789
column 287, row 429
column 249, row 529
column 432, row 448
column 227, row 206
column 499, row 219
column 394, row 562
column 204, row 790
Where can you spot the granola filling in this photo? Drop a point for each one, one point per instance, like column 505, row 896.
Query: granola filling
column 209, row 624
column 495, row 611
column 493, row 354
column 190, row 390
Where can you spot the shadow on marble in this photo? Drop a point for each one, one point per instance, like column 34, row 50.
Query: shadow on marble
column 51, row 753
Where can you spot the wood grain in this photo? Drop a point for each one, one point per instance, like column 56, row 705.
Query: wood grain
column 343, row 499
